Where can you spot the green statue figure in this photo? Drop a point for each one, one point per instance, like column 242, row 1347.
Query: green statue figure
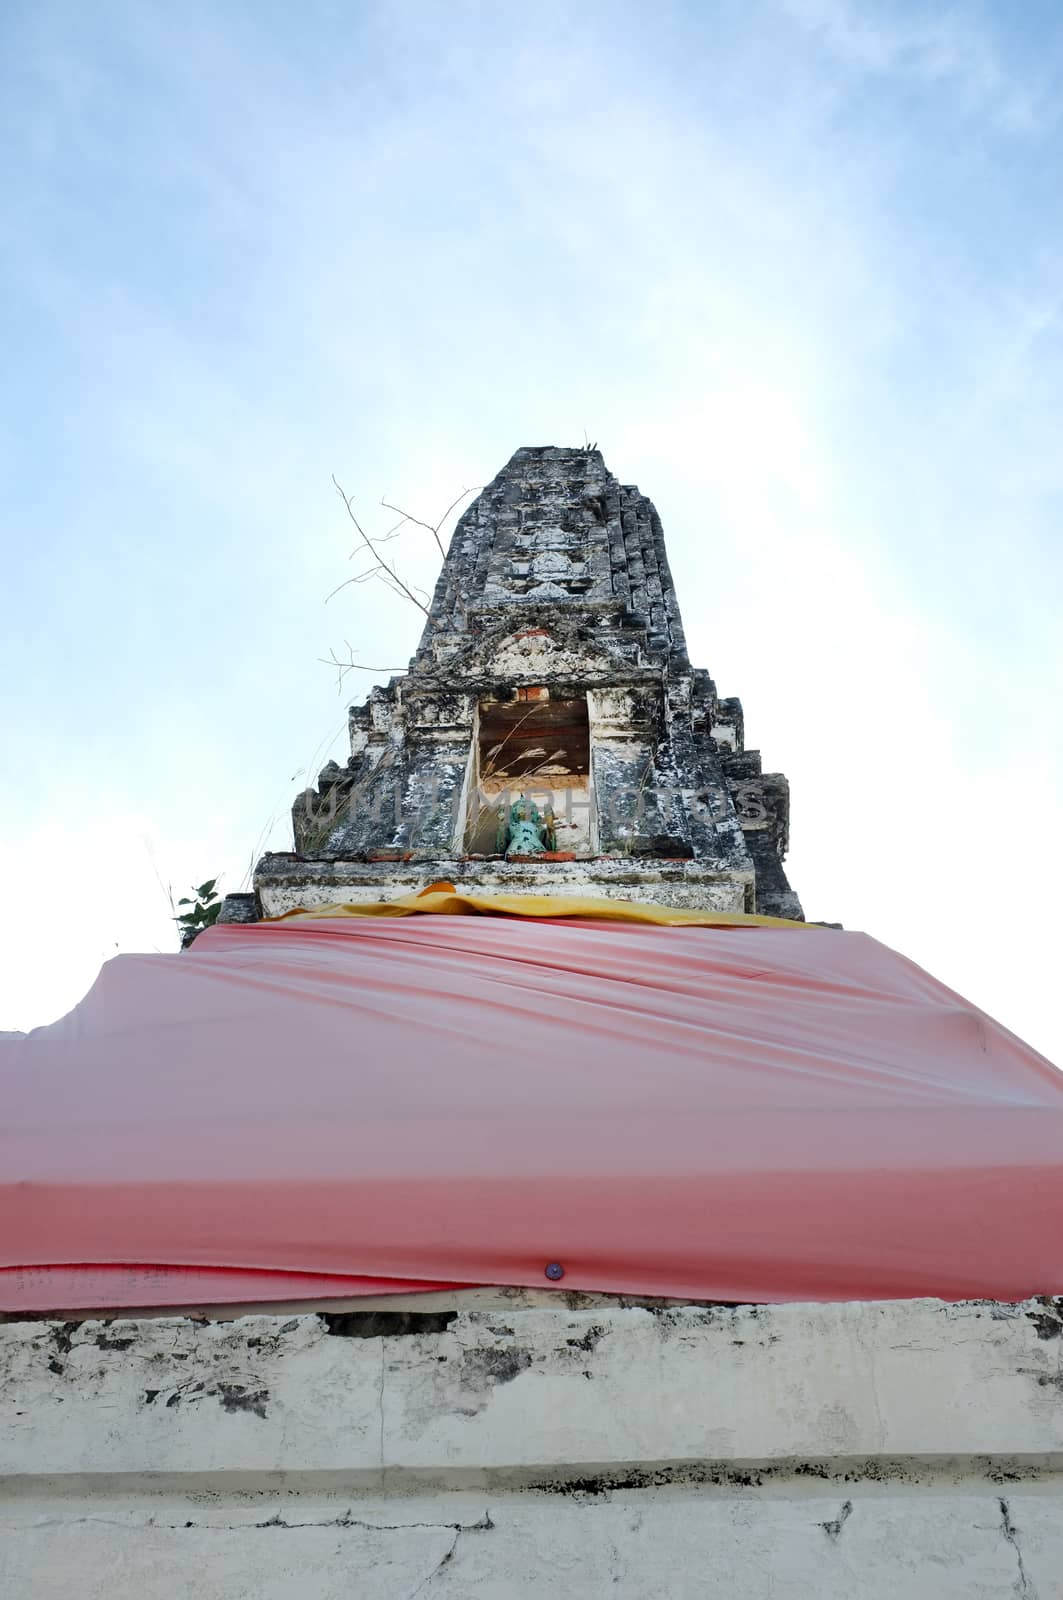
column 524, row 830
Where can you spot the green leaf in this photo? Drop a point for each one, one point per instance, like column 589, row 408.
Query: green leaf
column 205, row 890
column 184, row 901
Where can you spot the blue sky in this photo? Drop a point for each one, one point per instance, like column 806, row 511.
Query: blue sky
column 796, row 265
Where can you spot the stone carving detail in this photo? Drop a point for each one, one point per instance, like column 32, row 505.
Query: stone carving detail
column 555, row 590
column 524, row 830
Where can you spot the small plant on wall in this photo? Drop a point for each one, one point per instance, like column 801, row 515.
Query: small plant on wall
column 202, row 913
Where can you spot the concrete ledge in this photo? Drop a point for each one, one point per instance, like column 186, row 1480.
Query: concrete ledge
column 904, row 1448
column 285, row 883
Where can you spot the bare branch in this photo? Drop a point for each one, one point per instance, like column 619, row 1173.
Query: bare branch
column 381, row 568
column 343, row 667
column 381, row 538
column 372, row 548
column 432, row 528
column 362, row 576
column 333, row 660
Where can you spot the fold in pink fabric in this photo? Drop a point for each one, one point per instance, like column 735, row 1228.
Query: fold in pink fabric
column 301, row 1110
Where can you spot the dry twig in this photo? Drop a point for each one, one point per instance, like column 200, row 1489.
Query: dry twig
column 350, row 665
column 432, row 528
column 387, row 573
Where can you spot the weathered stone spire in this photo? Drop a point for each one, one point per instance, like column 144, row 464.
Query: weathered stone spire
column 555, row 528
column 550, row 735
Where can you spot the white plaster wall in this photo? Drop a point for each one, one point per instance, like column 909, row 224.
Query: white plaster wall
column 904, row 1449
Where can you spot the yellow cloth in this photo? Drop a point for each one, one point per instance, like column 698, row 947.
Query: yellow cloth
column 446, row 899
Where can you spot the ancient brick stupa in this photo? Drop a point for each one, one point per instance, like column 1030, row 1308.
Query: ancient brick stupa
column 589, row 1248
column 550, row 736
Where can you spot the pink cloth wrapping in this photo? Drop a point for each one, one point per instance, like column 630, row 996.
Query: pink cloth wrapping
column 335, row 1107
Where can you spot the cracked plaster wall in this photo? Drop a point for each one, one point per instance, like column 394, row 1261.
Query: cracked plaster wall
column 523, row 1445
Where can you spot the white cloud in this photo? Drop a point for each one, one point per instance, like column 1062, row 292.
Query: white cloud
column 946, row 45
